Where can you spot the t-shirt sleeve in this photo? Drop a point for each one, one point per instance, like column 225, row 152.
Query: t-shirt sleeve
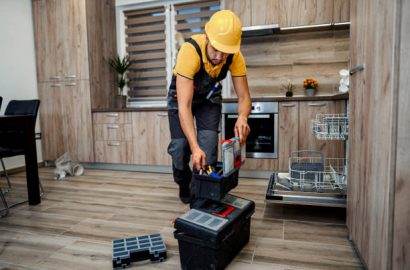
column 188, row 61
column 238, row 66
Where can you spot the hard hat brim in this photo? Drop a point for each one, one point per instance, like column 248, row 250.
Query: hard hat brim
column 225, row 48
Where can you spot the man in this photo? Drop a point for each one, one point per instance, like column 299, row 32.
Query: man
column 195, row 92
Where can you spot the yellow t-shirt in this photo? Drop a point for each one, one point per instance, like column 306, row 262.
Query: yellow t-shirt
column 188, row 61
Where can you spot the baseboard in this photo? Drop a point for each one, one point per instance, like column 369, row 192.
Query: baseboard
column 20, row 169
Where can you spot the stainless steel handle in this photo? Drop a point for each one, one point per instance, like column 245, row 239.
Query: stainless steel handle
column 114, row 143
column 113, row 126
column 289, row 105
column 112, row 114
column 264, row 116
column 55, row 85
column 356, row 69
column 55, row 77
column 70, row 76
column 162, row 114
column 317, row 104
column 71, row 84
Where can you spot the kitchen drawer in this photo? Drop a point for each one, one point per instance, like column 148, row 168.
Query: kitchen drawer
column 113, row 152
column 112, row 132
column 112, row 118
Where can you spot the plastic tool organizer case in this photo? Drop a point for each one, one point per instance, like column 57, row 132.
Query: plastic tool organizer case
column 133, row 249
column 212, row 234
column 208, row 187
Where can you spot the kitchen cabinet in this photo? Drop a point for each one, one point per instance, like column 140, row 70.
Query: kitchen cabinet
column 295, row 132
column 151, row 137
column 255, row 12
column 113, row 137
column 73, row 40
column 66, row 120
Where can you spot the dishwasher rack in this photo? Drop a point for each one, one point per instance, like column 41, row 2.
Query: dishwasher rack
column 331, row 127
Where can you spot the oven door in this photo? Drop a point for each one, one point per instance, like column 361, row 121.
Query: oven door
column 262, row 141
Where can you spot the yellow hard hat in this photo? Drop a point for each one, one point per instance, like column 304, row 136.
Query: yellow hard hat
column 224, row 31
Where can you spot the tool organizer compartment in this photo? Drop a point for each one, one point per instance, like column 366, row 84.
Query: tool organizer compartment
column 213, row 188
column 212, row 234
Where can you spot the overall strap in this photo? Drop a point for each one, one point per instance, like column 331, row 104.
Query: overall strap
column 225, row 68
column 196, row 46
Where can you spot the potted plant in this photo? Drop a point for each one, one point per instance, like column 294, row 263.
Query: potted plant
column 310, row 86
column 288, row 88
column 120, row 66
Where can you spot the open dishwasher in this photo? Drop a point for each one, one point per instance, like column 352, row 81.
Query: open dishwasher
column 313, row 179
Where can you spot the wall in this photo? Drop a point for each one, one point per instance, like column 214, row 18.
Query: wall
column 272, row 60
column 17, row 65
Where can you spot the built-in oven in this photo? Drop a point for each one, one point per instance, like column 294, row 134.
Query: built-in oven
column 262, row 141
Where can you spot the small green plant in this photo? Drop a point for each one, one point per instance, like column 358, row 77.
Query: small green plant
column 121, row 66
column 288, row 88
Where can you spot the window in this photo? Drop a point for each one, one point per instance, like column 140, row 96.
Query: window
column 148, row 37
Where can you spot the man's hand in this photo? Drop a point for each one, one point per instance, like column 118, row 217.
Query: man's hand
column 242, row 129
column 198, row 158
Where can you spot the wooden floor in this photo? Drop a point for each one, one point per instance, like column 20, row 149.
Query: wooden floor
column 80, row 216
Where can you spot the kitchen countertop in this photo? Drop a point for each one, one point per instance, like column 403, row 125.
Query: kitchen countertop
column 142, row 108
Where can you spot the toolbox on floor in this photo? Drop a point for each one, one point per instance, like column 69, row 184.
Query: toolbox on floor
column 212, row 234
column 133, row 249
column 213, row 188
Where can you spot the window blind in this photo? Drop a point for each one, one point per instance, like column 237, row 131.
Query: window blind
column 146, row 45
column 190, row 18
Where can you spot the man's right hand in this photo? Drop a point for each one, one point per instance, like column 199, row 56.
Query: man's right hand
column 198, row 159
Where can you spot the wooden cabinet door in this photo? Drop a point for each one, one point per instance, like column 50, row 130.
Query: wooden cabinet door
column 305, row 12
column 341, row 10
column 264, row 12
column 307, row 141
column 255, row 12
column 74, row 30
column 151, row 138
column 77, row 120
column 51, row 120
column 288, row 132
column 242, row 9
column 48, row 39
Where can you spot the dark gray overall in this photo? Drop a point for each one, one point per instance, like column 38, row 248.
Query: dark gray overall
column 207, row 114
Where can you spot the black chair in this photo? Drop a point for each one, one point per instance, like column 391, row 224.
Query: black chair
column 13, row 138
column 3, row 199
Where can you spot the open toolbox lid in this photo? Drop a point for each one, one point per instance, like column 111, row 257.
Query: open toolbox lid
column 233, row 155
column 212, row 221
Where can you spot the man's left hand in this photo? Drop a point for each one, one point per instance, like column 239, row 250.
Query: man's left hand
column 242, row 129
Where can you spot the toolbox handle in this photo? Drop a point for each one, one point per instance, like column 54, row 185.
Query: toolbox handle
column 228, row 209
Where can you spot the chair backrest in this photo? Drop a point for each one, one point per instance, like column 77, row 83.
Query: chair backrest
column 1, row 100
column 23, row 107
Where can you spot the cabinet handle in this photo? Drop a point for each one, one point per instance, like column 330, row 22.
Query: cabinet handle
column 71, row 84
column 55, row 77
column 112, row 114
column 317, row 104
column 114, row 143
column 113, row 126
column 289, row 105
column 55, row 85
column 70, row 76
column 162, row 114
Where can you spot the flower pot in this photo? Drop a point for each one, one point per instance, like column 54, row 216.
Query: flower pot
column 310, row 92
column 120, row 101
column 289, row 94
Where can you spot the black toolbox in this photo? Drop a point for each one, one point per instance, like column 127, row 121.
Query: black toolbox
column 208, row 187
column 212, row 234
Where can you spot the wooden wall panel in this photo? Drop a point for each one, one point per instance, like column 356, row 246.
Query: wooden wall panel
column 242, row 9
column 401, row 233
column 372, row 131
column 341, row 10
column 265, row 12
column 272, row 60
column 101, row 46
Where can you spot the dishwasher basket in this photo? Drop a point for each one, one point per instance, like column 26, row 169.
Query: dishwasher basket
column 331, row 127
column 309, row 171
